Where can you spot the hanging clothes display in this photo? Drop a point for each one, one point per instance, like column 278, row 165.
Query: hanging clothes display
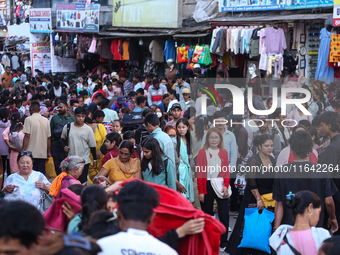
column 170, row 49
column 115, row 49
column 323, row 71
column 156, row 49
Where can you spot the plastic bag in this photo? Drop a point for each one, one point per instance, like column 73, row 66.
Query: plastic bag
column 197, row 53
column 14, row 196
column 182, row 54
column 190, row 64
column 50, row 169
column 15, row 140
column 205, row 58
column 257, row 226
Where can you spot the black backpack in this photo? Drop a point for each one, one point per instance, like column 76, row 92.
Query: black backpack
column 132, row 121
column 57, row 131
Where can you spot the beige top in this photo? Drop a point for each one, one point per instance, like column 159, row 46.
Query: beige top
column 39, row 130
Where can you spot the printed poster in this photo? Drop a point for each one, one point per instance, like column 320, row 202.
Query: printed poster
column 40, row 20
column 78, row 17
column 41, row 53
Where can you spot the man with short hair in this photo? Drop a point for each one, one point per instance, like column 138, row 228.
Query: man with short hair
column 330, row 126
column 180, row 85
column 110, row 115
column 176, row 111
column 94, row 105
column 7, row 76
column 127, row 85
column 56, row 91
column 21, row 230
column 141, row 101
column 80, row 141
column 37, row 137
column 148, row 84
column 57, row 123
column 173, row 99
column 152, row 124
column 137, row 81
column 156, row 92
column 21, row 75
column 137, row 202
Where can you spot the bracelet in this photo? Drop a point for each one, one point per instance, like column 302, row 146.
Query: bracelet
column 259, row 201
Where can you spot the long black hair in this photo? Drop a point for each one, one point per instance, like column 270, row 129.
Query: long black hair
column 4, row 114
column 201, row 122
column 187, row 135
column 93, row 198
column 156, row 162
column 15, row 118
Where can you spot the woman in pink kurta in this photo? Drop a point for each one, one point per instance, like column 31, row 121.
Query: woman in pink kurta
column 7, row 136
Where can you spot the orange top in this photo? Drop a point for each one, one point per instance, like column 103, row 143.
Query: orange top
column 126, row 55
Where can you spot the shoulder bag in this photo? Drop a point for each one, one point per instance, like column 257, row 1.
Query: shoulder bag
column 290, row 246
column 45, row 201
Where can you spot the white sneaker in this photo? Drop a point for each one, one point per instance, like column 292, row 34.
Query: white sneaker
column 229, row 229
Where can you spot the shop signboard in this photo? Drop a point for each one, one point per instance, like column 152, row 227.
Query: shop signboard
column 78, row 17
column 304, row 4
column 3, row 4
column 156, row 13
column 250, row 5
column 41, row 52
column 336, row 13
column 40, row 20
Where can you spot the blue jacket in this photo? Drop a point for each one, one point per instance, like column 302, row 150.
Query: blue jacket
column 115, row 106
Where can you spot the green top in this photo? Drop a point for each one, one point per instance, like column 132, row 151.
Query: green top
column 56, row 119
column 73, row 225
column 160, row 179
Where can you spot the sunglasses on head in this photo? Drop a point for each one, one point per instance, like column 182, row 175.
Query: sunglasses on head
column 25, row 153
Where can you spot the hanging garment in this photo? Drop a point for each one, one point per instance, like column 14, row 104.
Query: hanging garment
column 323, row 71
column 125, row 55
column 216, row 48
column 156, row 49
column 213, row 38
column 170, row 49
column 93, row 46
column 105, row 50
column 275, row 40
column 15, row 62
column 115, row 49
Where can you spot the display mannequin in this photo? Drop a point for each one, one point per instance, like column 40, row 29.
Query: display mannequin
column 171, row 71
column 254, row 80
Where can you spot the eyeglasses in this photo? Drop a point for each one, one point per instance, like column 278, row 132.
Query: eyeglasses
column 25, row 153
column 124, row 154
column 172, row 136
column 214, row 138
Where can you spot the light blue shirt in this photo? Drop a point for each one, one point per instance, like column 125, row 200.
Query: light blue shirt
column 229, row 143
column 138, row 86
column 110, row 115
column 137, row 109
column 165, row 143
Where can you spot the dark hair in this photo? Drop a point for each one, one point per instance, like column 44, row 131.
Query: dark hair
column 313, row 132
column 331, row 246
column 125, row 110
column 187, row 135
column 93, row 198
column 152, row 119
column 127, row 145
column 122, row 76
column 4, row 114
column 331, row 118
column 140, row 90
column 129, row 135
column 137, row 75
column 80, row 110
column 269, row 99
column 336, row 104
column 305, row 123
column 35, row 106
column 219, row 114
column 161, row 118
column 172, row 92
column 94, row 77
column 165, row 96
column 275, row 114
column 178, row 76
column 299, row 201
column 21, row 221
column 98, row 114
column 301, row 143
column 316, row 121
column 200, row 123
column 15, row 118
column 137, row 200
column 100, row 225
column 155, row 81
column 76, row 188
column 140, row 100
column 132, row 94
column 261, row 139
column 104, row 103
column 98, row 96
column 73, row 101
column 319, row 92
column 120, row 122
column 114, row 137
column 146, row 112
column 88, row 120
column 298, row 126
column 152, row 144
column 114, row 80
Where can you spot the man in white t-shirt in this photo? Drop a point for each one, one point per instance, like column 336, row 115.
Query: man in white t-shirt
column 135, row 212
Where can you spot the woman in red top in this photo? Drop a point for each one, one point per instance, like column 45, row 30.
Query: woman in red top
column 214, row 156
column 98, row 89
column 112, row 142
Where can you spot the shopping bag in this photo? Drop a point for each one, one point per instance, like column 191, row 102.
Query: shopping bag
column 182, row 54
column 257, row 226
column 197, row 53
column 50, row 169
column 190, row 64
column 205, row 58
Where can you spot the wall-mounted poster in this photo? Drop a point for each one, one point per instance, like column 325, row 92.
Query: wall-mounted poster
column 40, row 20
column 41, row 52
column 250, row 5
column 78, row 17
column 304, row 4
